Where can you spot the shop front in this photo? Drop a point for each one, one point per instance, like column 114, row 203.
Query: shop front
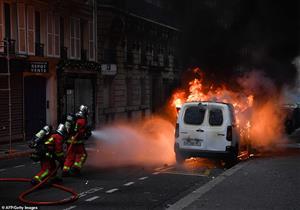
column 76, row 86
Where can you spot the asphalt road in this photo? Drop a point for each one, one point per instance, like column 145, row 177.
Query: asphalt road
column 130, row 187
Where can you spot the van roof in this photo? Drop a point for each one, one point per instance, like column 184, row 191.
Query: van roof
column 207, row 103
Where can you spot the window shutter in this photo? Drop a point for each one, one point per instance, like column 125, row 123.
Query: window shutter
column 56, row 36
column 21, row 28
column 72, row 45
column 91, row 42
column 77, row 34
column 1, row 26
column 49, row 34
column 30, row 30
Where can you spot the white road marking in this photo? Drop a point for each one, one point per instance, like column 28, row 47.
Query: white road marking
column 155, row 173
column 143, row 178
column 92, row 198
column 190, row 198
column 69, row 208
column 3, row 169
column 19, row 166
column 90, row 191
column 129, row 183
column 112, row 190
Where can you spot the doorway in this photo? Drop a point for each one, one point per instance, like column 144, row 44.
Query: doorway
column 35, row 104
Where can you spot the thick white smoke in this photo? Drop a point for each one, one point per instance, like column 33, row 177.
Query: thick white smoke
column 149, row 142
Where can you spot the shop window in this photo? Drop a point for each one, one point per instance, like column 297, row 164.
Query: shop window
column 30, row 30
column 21, row 28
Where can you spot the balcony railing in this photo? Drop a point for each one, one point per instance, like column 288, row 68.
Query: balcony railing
column 11, row 48
column 63, row 52
column 39, row 49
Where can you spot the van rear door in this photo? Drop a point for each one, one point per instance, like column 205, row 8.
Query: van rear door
column 191, row 133
column 216, row 131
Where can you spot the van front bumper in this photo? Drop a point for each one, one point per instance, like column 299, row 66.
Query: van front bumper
column 203, row 153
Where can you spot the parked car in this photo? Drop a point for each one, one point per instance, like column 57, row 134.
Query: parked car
column 292, row 117
column 206, row 129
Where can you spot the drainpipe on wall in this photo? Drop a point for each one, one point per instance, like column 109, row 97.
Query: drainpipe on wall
column 95, row 21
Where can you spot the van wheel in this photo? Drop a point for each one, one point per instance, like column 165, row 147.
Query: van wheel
column 233, row 158
column 179, row 158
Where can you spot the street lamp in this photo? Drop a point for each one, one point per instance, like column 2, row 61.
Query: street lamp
column 6, row 42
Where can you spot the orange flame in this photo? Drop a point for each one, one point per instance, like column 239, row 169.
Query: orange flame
column 247, row 119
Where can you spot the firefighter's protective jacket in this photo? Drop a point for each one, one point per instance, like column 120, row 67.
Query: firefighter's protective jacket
column 54, row 146
column 79, row 131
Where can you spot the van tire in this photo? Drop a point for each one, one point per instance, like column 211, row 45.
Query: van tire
column 179, row 158
column 233, row 157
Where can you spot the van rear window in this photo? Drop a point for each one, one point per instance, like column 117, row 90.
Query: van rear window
column 194, row 115
column 215, row 117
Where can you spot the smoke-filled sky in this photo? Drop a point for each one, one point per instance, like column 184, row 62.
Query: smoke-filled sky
column 225, row 37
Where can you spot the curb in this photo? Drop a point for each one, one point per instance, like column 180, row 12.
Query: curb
column 15, row 155
column 196, row 194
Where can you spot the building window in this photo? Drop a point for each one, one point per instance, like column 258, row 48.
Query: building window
column 56, row 36
column 75, row 39
column 91, row 42
column 49, row 35
column 53, row 27
column 21, row 28
column 7, row 20
column 129, row 89
column 30, row 30
column 62, row 32
column 1, row 24
column 108, row 94
column 37, row 27
column 143, row 91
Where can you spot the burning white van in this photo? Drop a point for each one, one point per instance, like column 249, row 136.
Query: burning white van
column 206, row 129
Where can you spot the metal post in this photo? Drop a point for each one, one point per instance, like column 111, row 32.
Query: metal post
column 95, row 25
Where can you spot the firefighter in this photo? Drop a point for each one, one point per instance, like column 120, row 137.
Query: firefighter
column 77, row 154
column 37, row 142
column 53, row 152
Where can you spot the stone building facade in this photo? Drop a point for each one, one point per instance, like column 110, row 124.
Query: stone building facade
column 138, row 45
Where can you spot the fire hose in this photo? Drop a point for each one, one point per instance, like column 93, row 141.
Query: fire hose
column 22, row 196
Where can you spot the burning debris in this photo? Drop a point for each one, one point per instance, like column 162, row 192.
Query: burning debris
column 256, row 102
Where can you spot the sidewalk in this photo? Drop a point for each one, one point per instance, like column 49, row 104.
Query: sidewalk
column 18, row 149
column 271, row 181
